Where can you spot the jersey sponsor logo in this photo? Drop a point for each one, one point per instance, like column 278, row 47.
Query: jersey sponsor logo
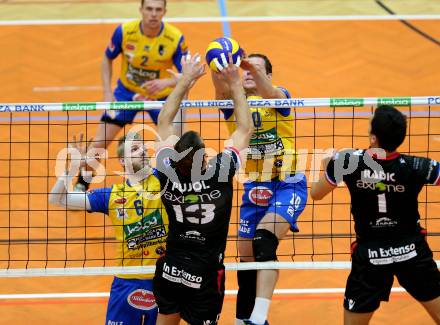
column 154, row 219
column 384, row 222
column 274, row 148
column 264, row 137
column 375, row 175
column 193, row 235
column 120, row 200
column 390, row 255
column 121, row 213
column 350, row 303
column 142, row 299
column 144, row 238
column 382, row 187
column 141, row 248
column 189, row 187
column 245, row 227
column 193, row 198
column 140, row 76
column 260, row 195
column 148, row 228
column 176, row 275
column 130, row 47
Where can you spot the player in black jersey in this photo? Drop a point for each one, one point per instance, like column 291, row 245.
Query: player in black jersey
column 384, row 186
column 197, row 195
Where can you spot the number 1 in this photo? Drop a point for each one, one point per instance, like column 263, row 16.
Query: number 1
column 382, row 202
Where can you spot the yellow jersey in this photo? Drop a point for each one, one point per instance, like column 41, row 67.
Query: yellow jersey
column 146, row 58
column 271, row 152
column 139, row 219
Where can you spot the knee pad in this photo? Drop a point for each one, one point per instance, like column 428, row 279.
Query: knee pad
column 265, row 245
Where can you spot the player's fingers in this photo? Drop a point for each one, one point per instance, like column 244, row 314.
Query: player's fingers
column 230, row 58
column 224, row 60
column 218, row 65
column 90, row 143
column 202, row 71
column 188, row 56
column 196, row 57
column 237, row 64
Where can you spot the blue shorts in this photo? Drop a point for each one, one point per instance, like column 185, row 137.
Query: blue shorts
column 131, row 302
column 124, row 117
column 286, row 198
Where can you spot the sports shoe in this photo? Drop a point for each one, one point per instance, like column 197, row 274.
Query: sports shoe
column 248, row 322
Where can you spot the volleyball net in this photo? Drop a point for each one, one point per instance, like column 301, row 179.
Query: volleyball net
column 38, row 239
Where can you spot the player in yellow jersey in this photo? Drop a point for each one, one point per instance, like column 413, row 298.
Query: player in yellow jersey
column 148, row 48
column 140, row 223
column 274, row 196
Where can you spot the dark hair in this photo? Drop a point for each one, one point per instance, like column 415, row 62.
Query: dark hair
column 164, row 2
column 190, row 139
column 389, row 126
column 267, row 63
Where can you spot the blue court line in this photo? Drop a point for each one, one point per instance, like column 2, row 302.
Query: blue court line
column 225, row 24
column 96, row 118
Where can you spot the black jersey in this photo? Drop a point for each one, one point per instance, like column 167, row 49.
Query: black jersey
column 384, row 192
column 199, row 210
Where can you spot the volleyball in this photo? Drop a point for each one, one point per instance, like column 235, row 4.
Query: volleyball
column 218, row 50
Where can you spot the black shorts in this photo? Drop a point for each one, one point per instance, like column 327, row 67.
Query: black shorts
column 197, row 295
column 374, row 265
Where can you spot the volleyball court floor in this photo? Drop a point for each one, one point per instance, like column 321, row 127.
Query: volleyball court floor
column 311, row 59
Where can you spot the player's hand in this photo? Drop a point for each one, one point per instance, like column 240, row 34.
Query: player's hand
column 156, row 85
column 192, row 68
column 82, row 147
column 230, row 74
column 175, row 76
column 248, row 66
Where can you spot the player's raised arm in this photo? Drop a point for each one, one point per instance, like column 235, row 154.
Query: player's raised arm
column 61, row 195
column 242, row 134
column 221, row 87
column 192, row 70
